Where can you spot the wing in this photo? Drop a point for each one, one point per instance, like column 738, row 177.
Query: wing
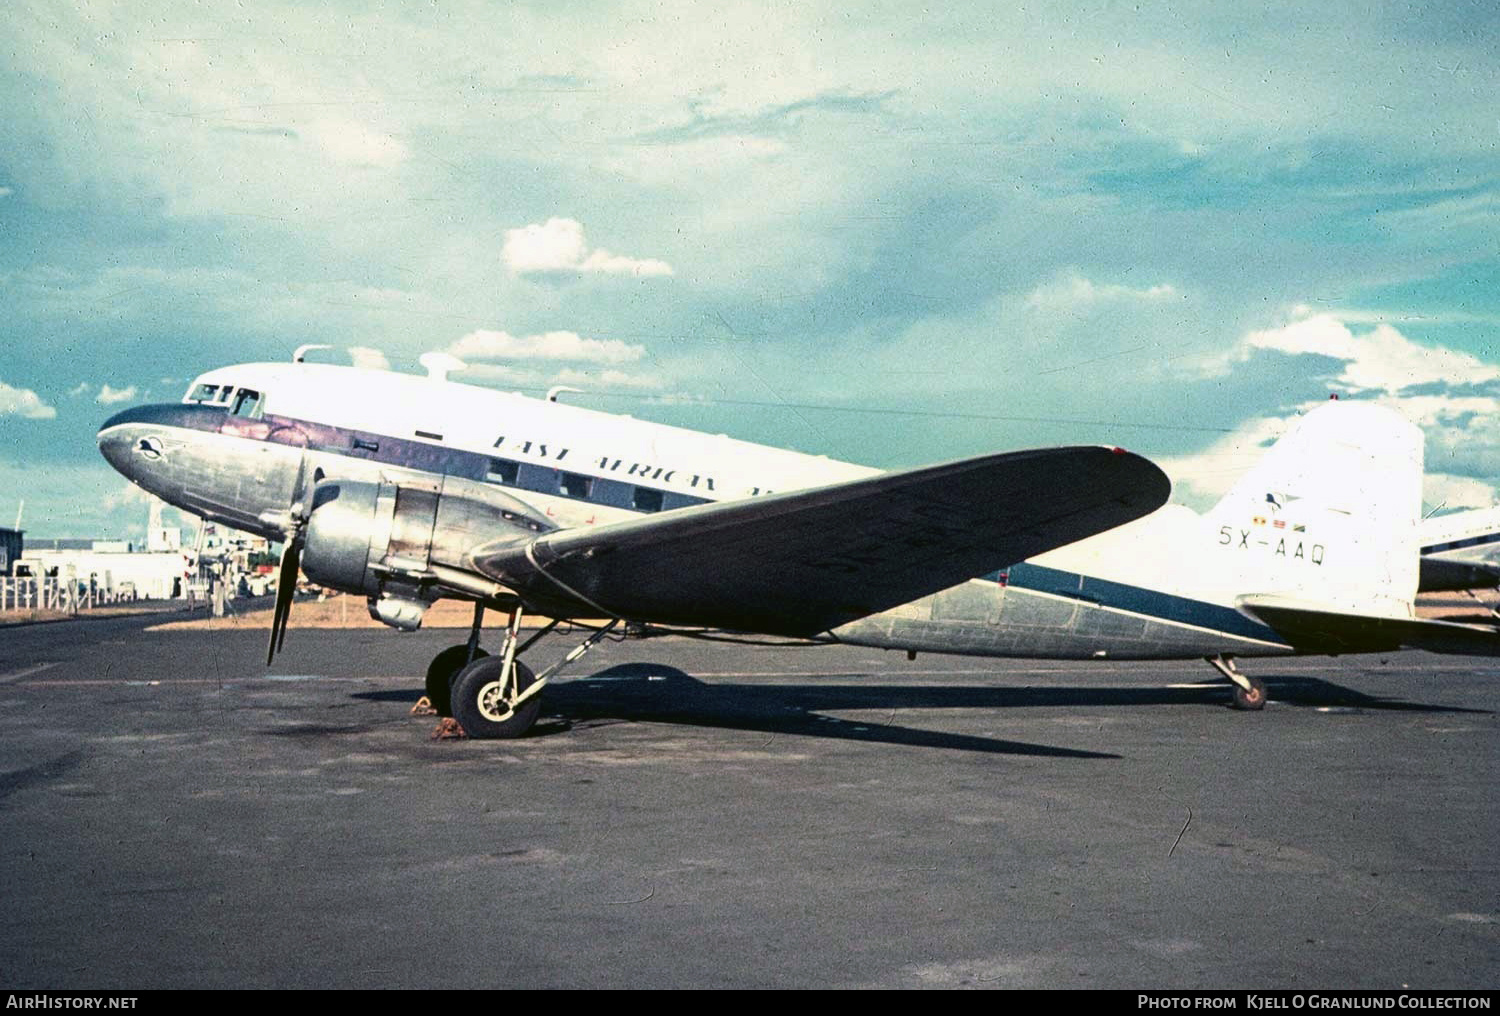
column 1313, row 630
column 803, row 562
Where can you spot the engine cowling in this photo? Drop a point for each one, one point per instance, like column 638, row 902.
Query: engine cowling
column 404, row 543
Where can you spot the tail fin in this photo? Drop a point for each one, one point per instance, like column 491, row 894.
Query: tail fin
column 1330, row 515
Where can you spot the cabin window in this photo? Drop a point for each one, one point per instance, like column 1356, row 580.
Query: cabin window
column 501, row 471
column 575, row 485
column 246, row 403
column 646, row 500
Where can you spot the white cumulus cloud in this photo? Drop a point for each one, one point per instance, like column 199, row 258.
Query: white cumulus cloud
column 1457, row 491
column 485, row 344
column 1201, row 478
column 1381, row 359
column 608, row 378
column 365, row 356
column 1074, row 291
column 1445, row 391
column 558, row 245
column 23, row 402
column 355, row 144
column 109, row 395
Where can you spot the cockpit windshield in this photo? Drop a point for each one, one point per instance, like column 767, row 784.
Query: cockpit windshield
column 238, row 401
column 246, row 403
column 210, row 395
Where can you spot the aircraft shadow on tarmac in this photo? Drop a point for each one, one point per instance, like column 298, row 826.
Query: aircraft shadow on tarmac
column 655, row 693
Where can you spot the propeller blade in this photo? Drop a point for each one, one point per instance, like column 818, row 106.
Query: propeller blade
column 296, row 562
column 286, row 586
column 291, row 560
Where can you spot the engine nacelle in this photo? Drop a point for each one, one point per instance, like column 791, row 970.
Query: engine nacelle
column 404, row 543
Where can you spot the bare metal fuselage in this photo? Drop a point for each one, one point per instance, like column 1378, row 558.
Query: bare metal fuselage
column 245, row 473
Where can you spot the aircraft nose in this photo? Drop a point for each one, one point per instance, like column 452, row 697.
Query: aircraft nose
column 116, row 439
column 130, row 440
column 114, row 446
column 147, row 414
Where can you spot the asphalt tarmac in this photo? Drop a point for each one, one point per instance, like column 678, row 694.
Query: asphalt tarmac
column 173, row 814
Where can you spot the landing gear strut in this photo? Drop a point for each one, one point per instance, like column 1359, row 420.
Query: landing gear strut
column 1249, row 692
column 495, row 696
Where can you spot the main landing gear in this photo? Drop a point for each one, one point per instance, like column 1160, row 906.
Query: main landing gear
column 1249, row 692
column 484, row 696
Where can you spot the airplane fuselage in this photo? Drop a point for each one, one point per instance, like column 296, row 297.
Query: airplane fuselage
column 246, row 439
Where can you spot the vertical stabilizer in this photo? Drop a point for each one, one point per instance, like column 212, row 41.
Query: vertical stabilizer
column 1330, row 515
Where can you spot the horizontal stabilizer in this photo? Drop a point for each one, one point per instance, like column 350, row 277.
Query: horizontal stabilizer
column 1313, row 630
column 802, row 562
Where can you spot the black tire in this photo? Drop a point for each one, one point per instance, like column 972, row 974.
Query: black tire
column 1251, row 700
column 476, row 704
column 441, row 673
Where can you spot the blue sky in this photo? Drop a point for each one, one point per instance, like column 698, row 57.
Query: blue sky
column 1162, row 226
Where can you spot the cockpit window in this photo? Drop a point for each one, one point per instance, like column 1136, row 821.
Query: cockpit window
column 212, row 395
column 246, row 403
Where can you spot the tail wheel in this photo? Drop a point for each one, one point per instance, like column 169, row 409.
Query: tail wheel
column 441, row 673
column 480, row 700
column 1251, row 698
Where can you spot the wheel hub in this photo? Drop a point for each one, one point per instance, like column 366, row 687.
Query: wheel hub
column 492, row 702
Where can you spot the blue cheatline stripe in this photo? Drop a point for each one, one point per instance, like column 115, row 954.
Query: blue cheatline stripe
column 1135, row 599
column 418, row 455
column 1472, row 541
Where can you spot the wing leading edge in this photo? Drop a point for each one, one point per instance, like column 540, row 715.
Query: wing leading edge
column 803, row 562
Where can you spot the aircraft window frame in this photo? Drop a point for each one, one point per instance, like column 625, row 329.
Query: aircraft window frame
column 248, row 403
column 204, row 392
column 575, row 485
column 503, row 471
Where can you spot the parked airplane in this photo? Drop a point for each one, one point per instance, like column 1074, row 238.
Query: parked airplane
column 1461, row 551
column 406, row 488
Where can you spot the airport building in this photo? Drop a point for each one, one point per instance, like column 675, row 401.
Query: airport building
column 11, row 545
column 115, row 569
column 162, row 568
column 110, row 567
